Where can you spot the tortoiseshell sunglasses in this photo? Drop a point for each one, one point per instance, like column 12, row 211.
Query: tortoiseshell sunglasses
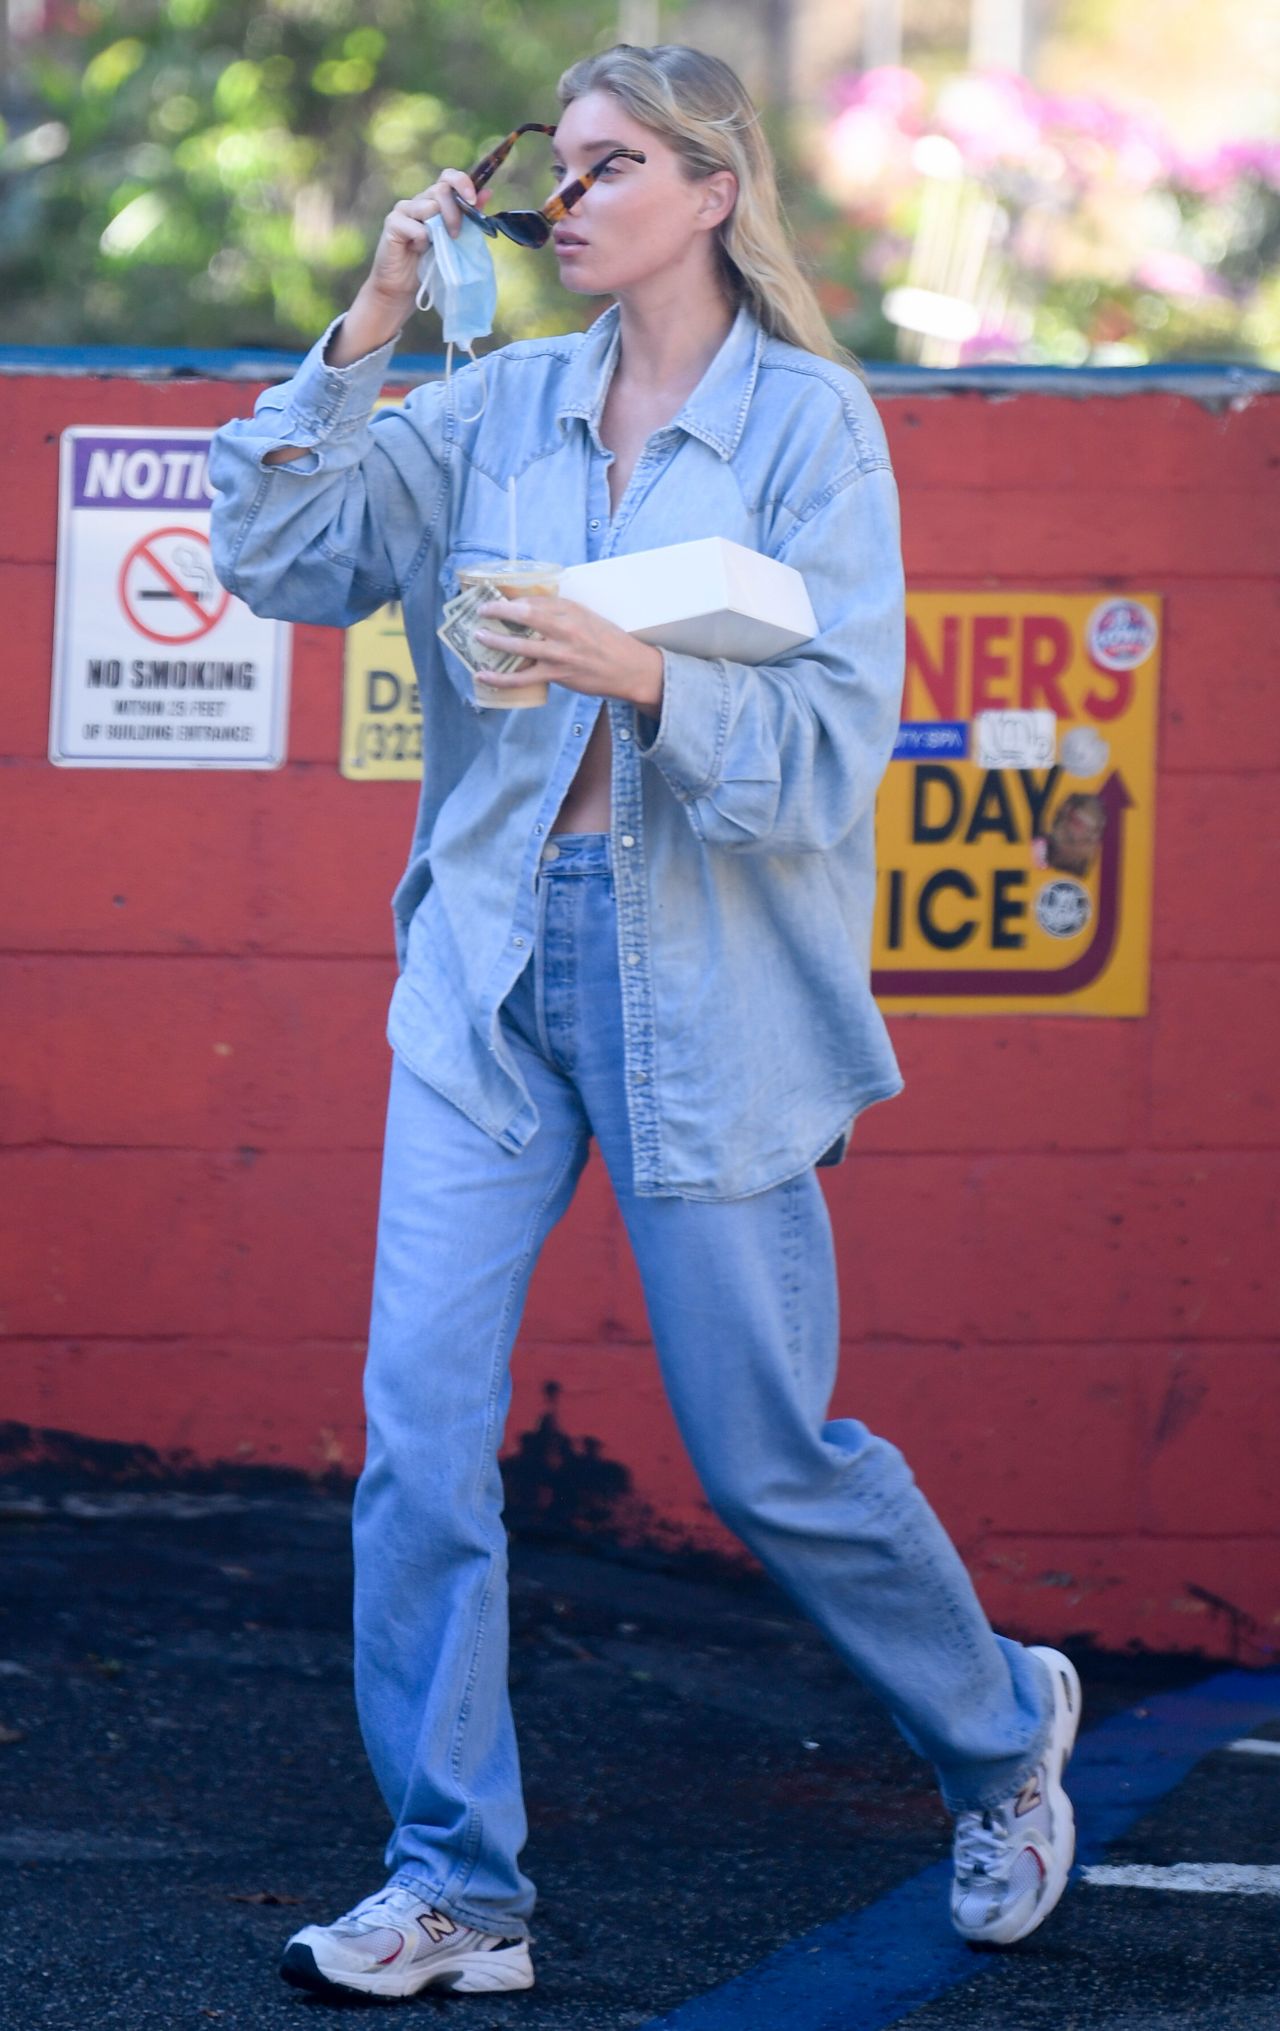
column 533, row 229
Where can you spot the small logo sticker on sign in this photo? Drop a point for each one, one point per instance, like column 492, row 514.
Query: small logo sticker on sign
column 1063, row 909
column 1084, row 752
column 1121, row 634
column 1015, row 739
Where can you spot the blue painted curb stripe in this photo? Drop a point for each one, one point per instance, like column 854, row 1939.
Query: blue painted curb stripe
column 1203, row 380
column 1125, row 1766
column 874, row 1966
column 177, row 363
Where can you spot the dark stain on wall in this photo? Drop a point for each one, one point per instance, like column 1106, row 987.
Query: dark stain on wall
column 62, row 1458
column 1244, row 1632
column 554, row 1482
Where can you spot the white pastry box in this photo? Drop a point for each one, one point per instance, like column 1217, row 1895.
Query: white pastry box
column 706, row 598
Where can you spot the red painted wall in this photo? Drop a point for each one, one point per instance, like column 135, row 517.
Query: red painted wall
column 1058, row 1249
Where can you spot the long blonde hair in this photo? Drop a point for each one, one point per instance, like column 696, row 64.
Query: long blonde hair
column 701, row 108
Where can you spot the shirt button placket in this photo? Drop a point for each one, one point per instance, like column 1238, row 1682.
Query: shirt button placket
column 629, row 883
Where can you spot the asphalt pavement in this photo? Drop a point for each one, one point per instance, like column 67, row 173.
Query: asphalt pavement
column 725, row 1830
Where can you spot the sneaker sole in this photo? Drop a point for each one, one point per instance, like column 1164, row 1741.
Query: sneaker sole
column 471, row 1974
column 1062, row 1740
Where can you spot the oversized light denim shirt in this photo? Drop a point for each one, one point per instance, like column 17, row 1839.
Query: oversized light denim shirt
column 743, row 819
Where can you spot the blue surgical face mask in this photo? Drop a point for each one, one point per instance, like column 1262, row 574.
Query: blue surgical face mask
column 456, row 277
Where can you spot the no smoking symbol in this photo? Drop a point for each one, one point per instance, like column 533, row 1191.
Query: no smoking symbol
column 167, row 586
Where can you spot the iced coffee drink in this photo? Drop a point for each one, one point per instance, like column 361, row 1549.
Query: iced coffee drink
column 505, row 581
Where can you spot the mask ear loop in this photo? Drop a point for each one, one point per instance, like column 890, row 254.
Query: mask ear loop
column 424, row 288
column 484, row 383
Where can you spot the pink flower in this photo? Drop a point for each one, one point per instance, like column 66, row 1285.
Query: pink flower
column 861, row 145
column 1140, row 149
column 991, row 116
column 1144, row 153
column 1077, row 114
column 1211, row 171
column 897, row 94
column 991, row 342
column 1170, row 274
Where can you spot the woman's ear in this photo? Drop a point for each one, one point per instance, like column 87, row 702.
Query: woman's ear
column 718, row 196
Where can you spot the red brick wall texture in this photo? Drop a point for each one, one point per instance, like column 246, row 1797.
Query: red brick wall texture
column 1058, row 1249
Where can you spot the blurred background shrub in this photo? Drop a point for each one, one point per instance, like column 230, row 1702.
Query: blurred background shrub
column 1069, row 181
column 993, row 221
column 216, row 172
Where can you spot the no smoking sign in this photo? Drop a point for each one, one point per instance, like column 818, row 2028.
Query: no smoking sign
column 155, row 663
column 167, row 586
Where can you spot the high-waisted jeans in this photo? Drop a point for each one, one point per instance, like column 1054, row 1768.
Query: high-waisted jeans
column 741, row 1297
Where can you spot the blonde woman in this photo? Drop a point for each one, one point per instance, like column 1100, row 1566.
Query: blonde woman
column 640, row 912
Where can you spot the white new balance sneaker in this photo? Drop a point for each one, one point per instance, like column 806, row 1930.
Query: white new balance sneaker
column 394, row 1944
column 1012, row 1862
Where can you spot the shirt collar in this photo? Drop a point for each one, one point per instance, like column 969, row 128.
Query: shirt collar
column 716, row 411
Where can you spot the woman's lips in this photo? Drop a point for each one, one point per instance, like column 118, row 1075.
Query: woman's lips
column 568, row 244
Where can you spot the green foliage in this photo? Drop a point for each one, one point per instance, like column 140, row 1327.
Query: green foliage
column 216, row 172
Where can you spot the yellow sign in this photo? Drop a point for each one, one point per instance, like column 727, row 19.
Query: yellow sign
column 381, row 708
column 1015, row 821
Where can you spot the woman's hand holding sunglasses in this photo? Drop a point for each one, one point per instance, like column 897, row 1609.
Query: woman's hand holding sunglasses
column 389, row 293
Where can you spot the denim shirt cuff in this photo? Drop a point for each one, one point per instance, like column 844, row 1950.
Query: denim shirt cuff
column 325, row 402
column 689, row 743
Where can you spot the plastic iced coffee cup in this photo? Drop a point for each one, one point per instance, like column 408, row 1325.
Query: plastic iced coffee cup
column 513, row 581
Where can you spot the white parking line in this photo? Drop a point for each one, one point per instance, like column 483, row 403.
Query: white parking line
column 1235, row 1879
column 1254, row 1745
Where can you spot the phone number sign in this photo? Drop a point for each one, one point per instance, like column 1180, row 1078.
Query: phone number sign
column 155, row 665
column 381, row 705
column 1015, row 821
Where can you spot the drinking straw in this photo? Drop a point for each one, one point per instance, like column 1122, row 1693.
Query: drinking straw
column 511, row 520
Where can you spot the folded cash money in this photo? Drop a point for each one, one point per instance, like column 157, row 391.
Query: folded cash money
column 460, row 619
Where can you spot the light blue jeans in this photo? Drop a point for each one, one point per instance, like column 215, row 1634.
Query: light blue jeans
column 742, row 1303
